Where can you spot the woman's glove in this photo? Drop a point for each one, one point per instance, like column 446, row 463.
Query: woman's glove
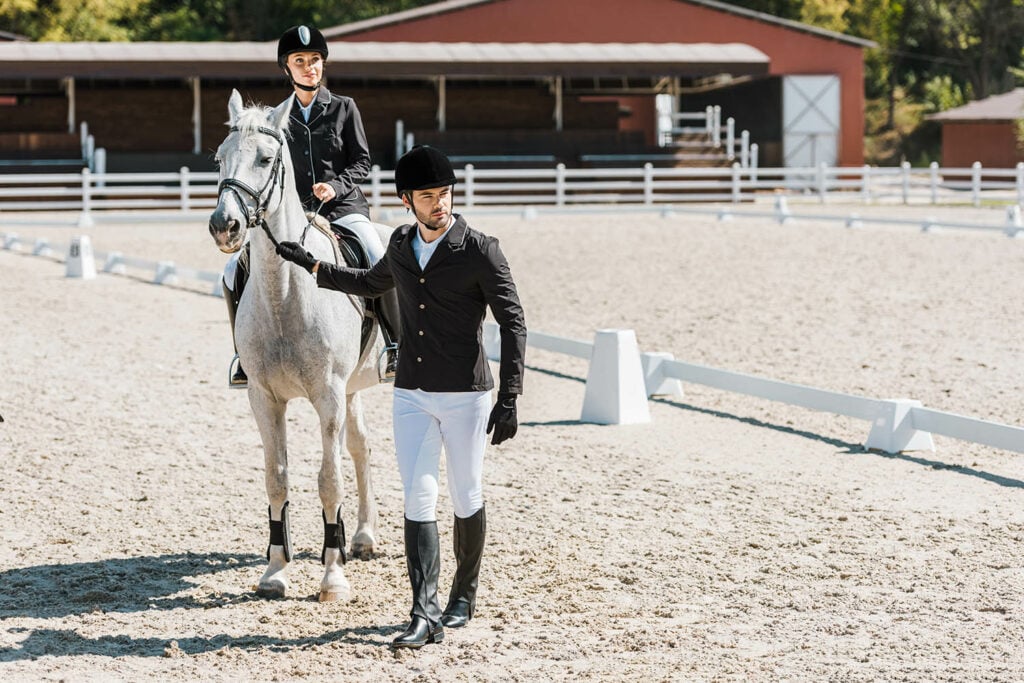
column 293, row 251
column 503, row 419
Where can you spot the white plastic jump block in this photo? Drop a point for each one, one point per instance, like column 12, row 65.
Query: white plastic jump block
column 615, row 392
column 1014, row 226
column 80, row 261
column 115, row 263
column 892, row 431
column 11, row 242
column 41, row 248
column 655, row 381
column 782, row 212
column 166, row 273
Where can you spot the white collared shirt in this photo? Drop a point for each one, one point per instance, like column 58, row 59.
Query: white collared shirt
column 305, row 110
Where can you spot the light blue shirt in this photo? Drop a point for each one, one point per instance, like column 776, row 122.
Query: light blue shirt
column 305, row 110
column 424, row 250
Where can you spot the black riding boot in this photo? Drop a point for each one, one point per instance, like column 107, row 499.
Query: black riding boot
column 390, row 328
column 423, row 559
column 469, row 547
column 237, row 378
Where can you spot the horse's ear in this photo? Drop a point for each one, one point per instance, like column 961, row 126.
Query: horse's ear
column 279, row 117
column 235, row 106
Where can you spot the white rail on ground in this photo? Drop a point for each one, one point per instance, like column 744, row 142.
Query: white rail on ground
column 896, row 424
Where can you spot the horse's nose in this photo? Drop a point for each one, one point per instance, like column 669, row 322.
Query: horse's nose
column 220, row 223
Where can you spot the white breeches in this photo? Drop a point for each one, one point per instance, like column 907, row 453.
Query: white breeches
column 423, row 423
column 367, row 234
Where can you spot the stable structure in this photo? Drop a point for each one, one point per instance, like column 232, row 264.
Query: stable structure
column 544, row 81
column 986, row 131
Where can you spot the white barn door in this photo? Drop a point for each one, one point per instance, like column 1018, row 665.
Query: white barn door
column 810, row 120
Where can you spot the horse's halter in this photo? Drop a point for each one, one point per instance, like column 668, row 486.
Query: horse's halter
column 233, row 185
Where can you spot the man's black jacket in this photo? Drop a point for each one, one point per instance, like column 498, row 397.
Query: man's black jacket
column 442, row 309
column 331, row 148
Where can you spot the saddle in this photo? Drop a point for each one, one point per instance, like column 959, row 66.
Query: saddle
column 349, row 251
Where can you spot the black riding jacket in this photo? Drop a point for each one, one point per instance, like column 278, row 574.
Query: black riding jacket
column 442, row 309
column 331, row 148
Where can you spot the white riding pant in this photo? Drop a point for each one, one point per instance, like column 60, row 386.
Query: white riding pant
column 424, row 421
column 356, row 222
column 367, row 234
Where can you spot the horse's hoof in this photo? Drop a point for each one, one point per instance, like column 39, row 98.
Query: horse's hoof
column 271, row 589
column 335, row 595
column 363, row 551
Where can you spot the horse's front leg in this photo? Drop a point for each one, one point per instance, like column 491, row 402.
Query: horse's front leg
column 365, row 538
column 270, row 420
column 331, row 409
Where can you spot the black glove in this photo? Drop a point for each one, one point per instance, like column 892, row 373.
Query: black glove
column 503, row 418
column 293, row 251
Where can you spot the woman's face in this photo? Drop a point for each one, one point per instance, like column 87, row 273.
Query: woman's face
column 306, row 68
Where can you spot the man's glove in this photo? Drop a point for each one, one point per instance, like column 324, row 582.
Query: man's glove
column 503, row 418
column 293, row 251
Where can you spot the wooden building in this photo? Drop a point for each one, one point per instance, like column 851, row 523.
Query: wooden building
column 984, row 130
column 554, row 79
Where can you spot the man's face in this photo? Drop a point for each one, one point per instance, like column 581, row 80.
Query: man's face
column 306, row 68
column 432, row 208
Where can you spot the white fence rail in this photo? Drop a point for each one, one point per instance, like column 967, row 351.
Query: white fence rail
column 186, row 191
column 896, row 425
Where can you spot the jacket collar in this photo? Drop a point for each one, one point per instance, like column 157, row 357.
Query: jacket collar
column 320, row 103
column 454, row 240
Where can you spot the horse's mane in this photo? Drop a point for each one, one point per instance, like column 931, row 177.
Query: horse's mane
column 252, row 118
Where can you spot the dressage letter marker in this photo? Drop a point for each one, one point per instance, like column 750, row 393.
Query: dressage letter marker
column 80, row 262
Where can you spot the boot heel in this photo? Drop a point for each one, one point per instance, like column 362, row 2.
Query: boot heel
column 436, row 635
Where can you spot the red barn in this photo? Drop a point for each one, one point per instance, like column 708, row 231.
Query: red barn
column 984, row 131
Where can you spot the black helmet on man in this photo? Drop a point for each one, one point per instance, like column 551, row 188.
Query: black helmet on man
column 300, row 39
column 422, row 168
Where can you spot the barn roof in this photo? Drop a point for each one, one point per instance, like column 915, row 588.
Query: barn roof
column 385, row 60
column 447, row 6
column 1006, row 107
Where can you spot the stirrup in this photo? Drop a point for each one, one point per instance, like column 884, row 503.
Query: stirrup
column 387, row 364
column 237, row 378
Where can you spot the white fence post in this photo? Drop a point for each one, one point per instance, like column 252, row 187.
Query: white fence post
column 1013, row 220
column 183, row 176
column 865, row 184
column 822, row 184
column 648, row 184
column 893, row 430
column 745, row 148
column 375, row 196
column 716, row 131
column 615, row 392
column 399, row 138
column 730, row 138
column 469, row 185
column 709, row 116
column 100, row 166
column 933, row 181
column 753, row 163
column 736, row 192
column 85, row 219
column 560, row 185
column 905, row 170
column 976, row 183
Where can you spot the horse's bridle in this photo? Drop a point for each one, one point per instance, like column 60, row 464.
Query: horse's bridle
column 258, row 216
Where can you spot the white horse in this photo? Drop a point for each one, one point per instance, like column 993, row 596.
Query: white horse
column 294, row 340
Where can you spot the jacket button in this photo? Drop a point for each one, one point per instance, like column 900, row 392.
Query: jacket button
column 422, row 280
column 422, row 306
column 421, row 333
column 419, row 359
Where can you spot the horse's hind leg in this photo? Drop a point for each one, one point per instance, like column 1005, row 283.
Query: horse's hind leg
column 331, row 409
column 269, row 416
column 364, row 539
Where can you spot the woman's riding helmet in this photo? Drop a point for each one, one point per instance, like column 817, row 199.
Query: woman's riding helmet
column 422, row 168
column 300, row 39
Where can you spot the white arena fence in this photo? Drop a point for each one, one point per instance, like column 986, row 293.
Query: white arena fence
column 557, row 187
column 621, row 379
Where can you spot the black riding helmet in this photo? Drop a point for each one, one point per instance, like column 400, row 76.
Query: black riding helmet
column 300, row 39
column 422, row 168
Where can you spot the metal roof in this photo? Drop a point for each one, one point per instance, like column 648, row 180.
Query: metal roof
column 1006, row 107
column 456, row 5
column 384, row 60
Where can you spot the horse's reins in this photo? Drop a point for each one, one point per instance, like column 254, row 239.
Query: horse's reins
column 258, row 217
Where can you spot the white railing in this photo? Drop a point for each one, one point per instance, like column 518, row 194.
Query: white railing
column 896, row 425
column 648, row 186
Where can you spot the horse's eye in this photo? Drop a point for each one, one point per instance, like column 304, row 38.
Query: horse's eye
column 265, row 161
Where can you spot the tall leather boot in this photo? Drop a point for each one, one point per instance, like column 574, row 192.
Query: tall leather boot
column 423, row 560
column 390, row 328
column 237, row 379
column 469, row 548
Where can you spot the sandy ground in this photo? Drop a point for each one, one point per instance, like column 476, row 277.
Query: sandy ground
column 731, row 539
